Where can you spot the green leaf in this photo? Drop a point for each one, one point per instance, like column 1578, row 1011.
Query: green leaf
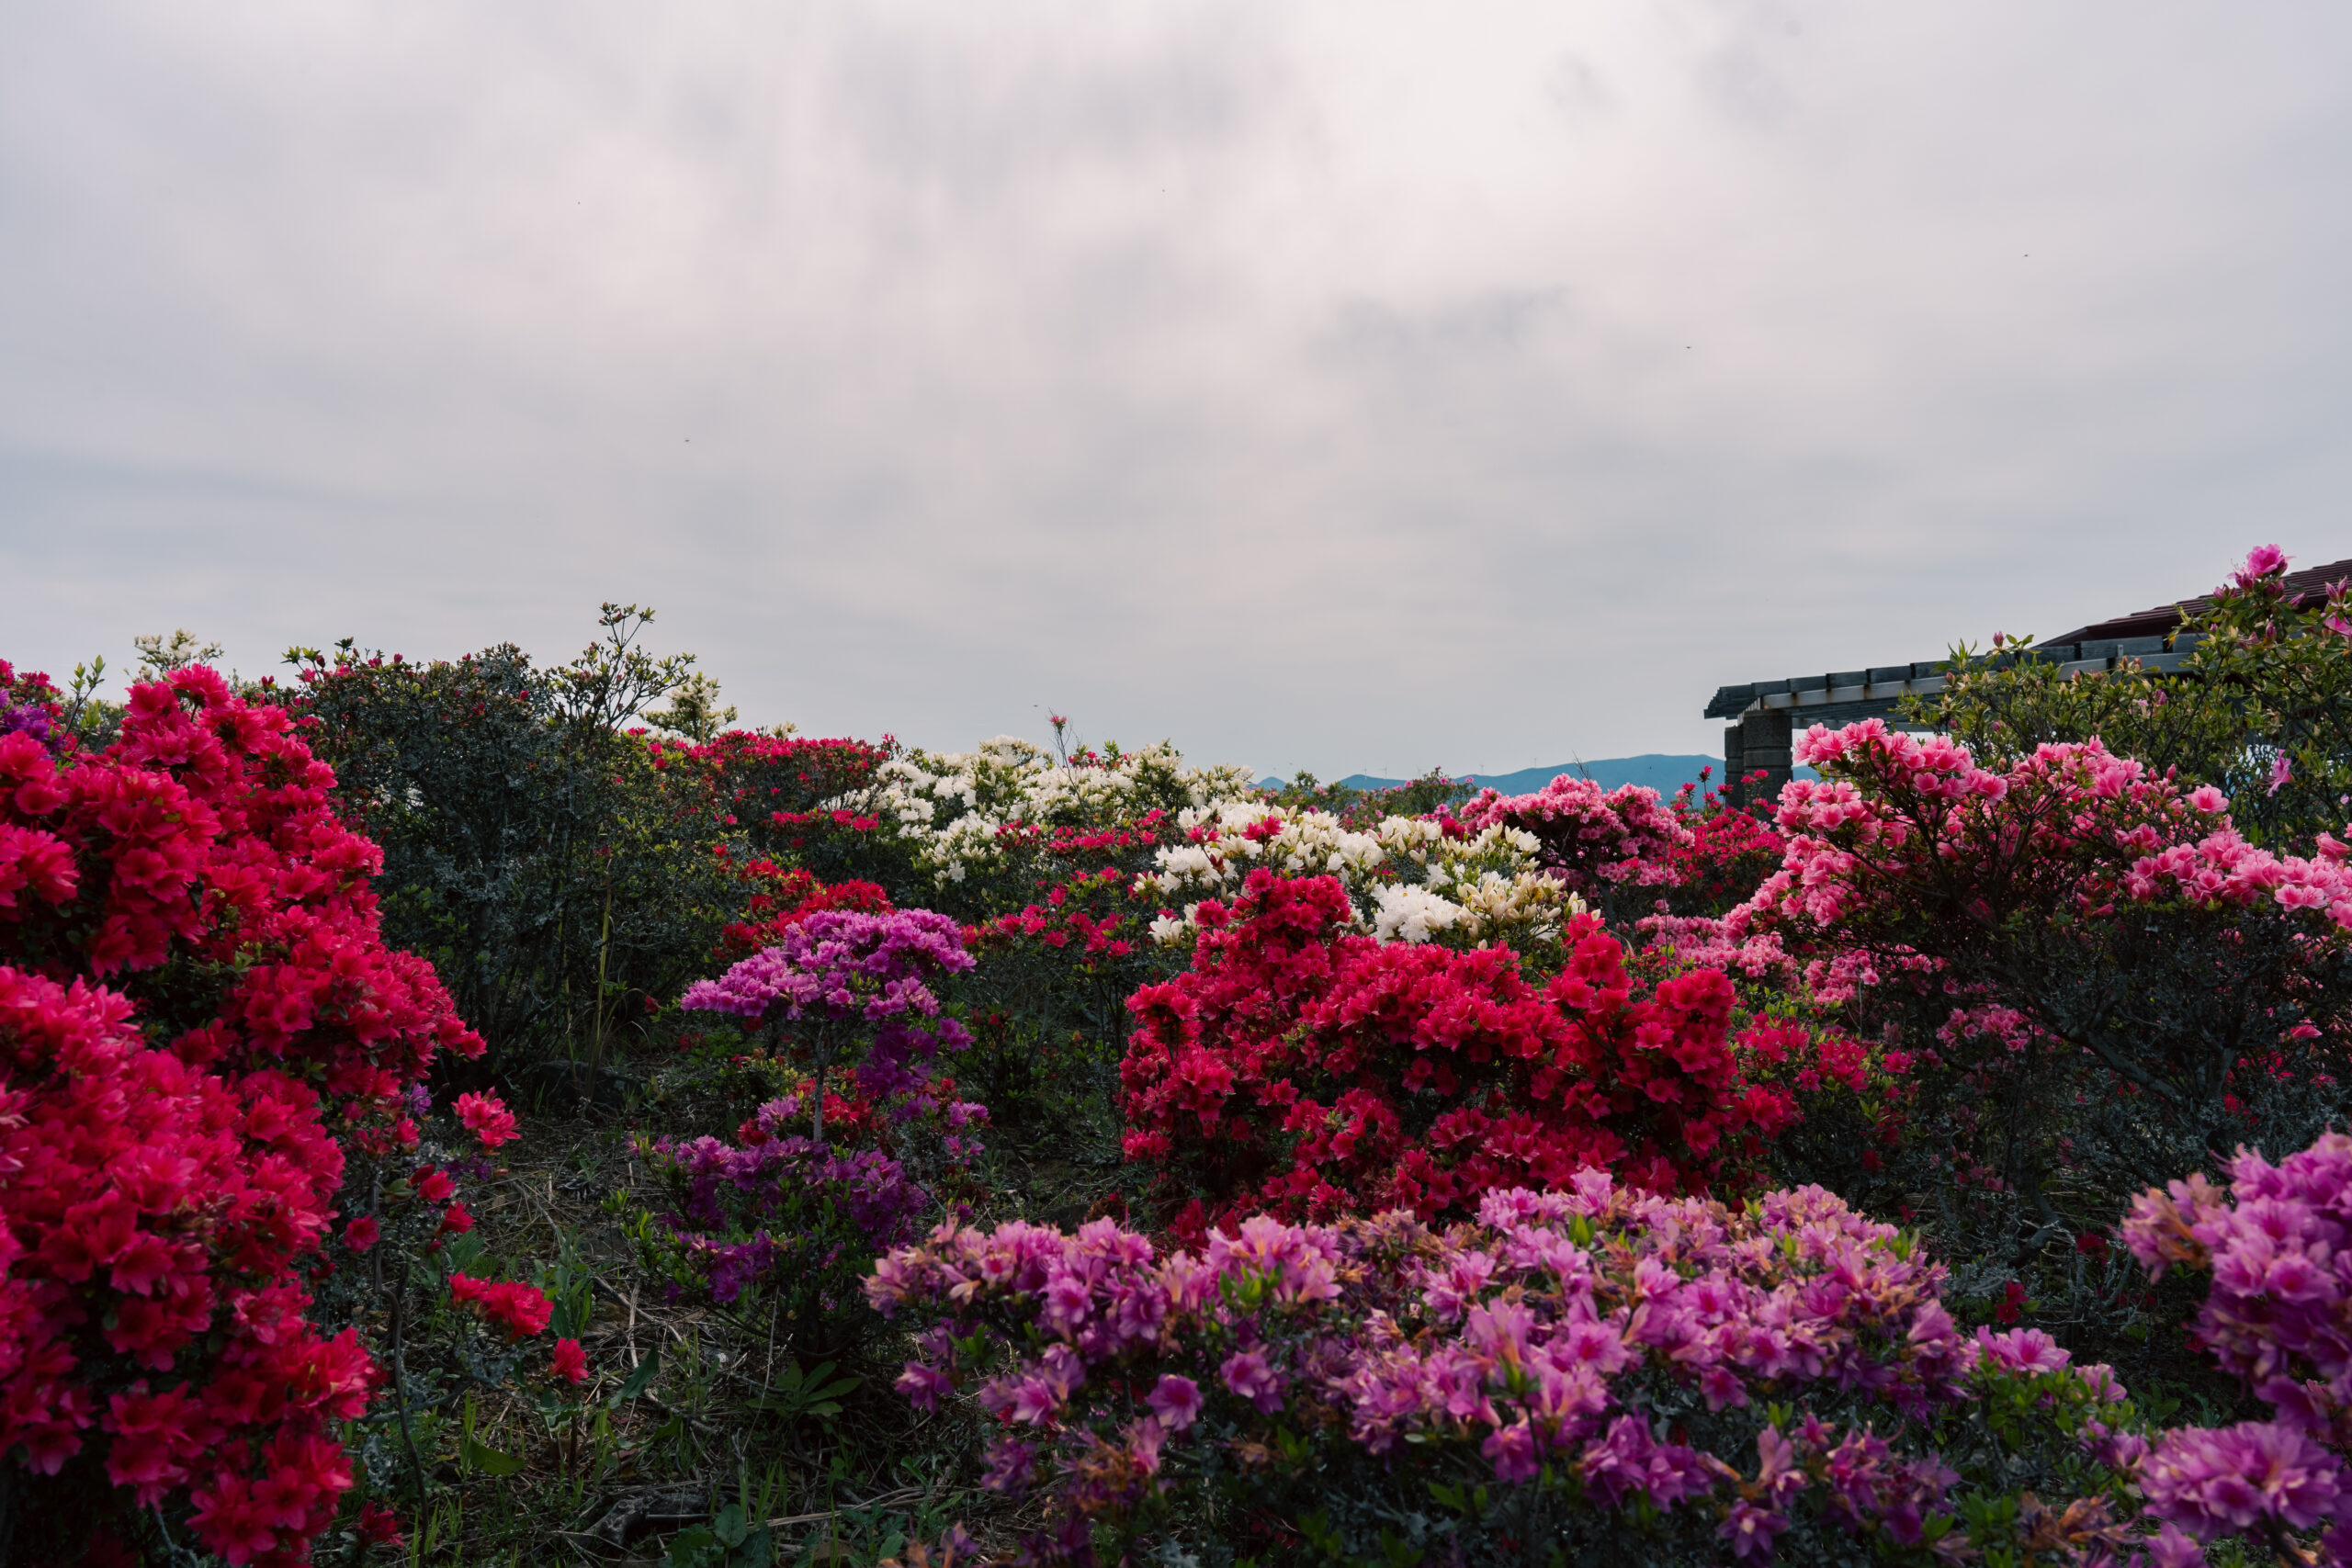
column 489, row 1461
column 732, row 1525
column 640, row 1380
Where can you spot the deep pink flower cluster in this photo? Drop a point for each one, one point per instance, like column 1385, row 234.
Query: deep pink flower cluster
column 150, row 1319
column 1081, row 916
column 487, row 1116
column 1545, row 1334
column 171, row 1163
column 1595, row 839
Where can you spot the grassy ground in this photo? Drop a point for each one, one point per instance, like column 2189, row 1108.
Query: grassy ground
column 702, row 1422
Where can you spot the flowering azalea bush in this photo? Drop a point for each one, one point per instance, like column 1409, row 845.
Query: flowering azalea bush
column 951, row 811
column 176, row 1155
column 197, row 865
column 1304, row 1069
column 1729, row 853
column 1411, row 879
column 2161, row 985
column 840, row 980
column 782, row 790
column 799, row 1219
column 1599, row 842
column 155, row 1345
column 1596, row 1372
column 2258, row 705
column 839, row 1166
column 2278, row 1317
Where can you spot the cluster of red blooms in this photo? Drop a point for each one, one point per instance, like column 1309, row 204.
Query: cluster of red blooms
column 1305, row 1070
column 152, row 1205
column 785, row 899
column 1728, row 854
column 204, row 836
column 520, row 1310
column 1146, row 832
column 1080, row 915
column 756, row 774
column 167, row 1153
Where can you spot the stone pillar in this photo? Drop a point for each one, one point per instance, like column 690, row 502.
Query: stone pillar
column 1732, row 769
column 1764, row 743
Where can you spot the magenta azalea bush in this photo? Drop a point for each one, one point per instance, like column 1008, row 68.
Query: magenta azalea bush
column 797, row 1218
column 840, row 978
column 1620, row 1376
column 2280, row 1317
column 836, row 1169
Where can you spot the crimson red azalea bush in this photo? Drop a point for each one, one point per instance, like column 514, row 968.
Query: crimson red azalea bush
column 1304, row 1069
column 171, row 1157
column 152, row 1338
column 198, row 864
column 797, row 796
column 1729, row 854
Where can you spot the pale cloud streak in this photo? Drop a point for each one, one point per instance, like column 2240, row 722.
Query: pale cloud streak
column 1333, row 386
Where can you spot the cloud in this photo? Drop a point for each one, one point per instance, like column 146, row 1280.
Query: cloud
column 1329, row 386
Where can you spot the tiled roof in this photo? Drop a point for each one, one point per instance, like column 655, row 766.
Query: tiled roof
column 1843, row 696
column 2307, row 584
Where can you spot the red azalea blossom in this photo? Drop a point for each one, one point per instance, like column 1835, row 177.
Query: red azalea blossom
column 521, row 1310
column 570, row 1362
column 378, row 1526
column 487, row 1115
column 361, row 1234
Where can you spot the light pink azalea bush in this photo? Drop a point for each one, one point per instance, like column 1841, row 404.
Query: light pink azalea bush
column 2098, row 977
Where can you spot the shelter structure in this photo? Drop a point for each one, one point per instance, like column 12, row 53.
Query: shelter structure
column 1766, row 715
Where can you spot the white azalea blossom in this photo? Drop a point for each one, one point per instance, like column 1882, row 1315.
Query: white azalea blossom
column 1411, row 914
column 1407, row 880
column 952, row 806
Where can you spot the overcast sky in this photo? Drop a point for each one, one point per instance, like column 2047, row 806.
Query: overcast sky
column 1341, row 386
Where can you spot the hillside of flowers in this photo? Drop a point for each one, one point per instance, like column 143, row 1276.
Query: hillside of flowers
column 491, row 1112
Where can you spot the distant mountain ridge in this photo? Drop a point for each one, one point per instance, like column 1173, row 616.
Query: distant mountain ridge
column 1660, row 771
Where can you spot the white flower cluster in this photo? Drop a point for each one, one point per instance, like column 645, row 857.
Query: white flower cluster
column 1226, row 842
column 951, row 807
column 1485, row 889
